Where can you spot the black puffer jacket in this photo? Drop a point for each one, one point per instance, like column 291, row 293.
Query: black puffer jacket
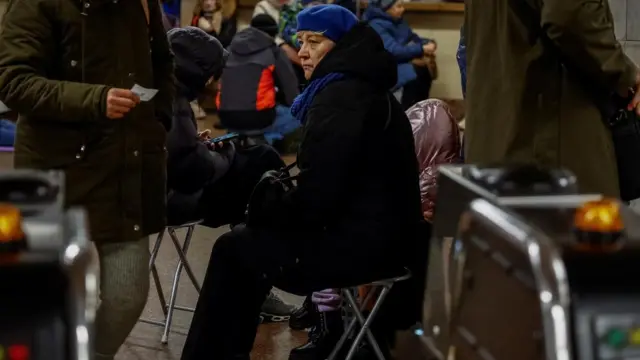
column 358, row 169
column 191, row 166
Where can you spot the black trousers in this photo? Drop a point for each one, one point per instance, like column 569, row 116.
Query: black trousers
column 246, row 263
column 418, row 89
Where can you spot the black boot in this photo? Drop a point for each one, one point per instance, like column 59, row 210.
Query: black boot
column 304, row 317
column 322, row 338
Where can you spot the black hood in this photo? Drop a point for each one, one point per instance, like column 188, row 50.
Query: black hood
column 250, row 41
column 198, row 57
column 360, row 53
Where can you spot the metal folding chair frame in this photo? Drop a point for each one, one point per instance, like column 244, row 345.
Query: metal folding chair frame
column 183, row 263
column 356, row 307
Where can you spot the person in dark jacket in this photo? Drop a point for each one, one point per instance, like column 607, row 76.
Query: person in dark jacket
column 67, row 68
column 409, row 49
column 345, row 207
column 258, row 84
column 208, row 181
column 190, row 164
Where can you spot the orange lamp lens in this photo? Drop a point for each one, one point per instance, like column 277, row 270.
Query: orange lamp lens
column 10, row 224
column 601, row 216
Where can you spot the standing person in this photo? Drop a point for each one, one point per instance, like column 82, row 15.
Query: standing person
column 530, row 83
column 461, row 56
column 67, row 67
column 343, row 208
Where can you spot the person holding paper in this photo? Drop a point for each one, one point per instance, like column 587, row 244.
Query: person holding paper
column 68, row 67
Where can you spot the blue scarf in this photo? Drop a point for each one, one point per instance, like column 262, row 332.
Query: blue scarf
column 303, row 101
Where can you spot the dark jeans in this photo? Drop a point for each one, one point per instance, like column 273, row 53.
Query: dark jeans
column 246, row 263
column 418, row 89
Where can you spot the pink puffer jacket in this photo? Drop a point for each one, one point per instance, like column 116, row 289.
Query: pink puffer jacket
column 437, row 140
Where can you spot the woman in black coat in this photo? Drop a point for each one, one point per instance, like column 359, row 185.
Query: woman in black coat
column 355, row 214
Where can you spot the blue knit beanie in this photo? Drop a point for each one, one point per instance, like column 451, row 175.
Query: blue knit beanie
column 332, row 21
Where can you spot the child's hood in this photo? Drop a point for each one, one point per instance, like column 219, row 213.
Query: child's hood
column 250, row 41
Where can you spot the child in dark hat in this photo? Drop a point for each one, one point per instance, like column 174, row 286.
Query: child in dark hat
column 414, row 54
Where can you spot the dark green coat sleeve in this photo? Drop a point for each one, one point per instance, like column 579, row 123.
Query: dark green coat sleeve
column 162, row 66
column 583, row 31
column 26, row 55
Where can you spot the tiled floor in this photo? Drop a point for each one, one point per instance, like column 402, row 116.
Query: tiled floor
column 272, row 343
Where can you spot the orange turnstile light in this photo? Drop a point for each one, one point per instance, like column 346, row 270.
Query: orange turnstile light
column 602, row 216
column 10, row 224
column 599, row 226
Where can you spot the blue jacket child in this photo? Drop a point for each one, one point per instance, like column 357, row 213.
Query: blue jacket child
column 404, row 44
column 7, row 132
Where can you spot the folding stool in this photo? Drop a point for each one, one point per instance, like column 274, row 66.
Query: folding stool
column 356, row 304
column 182, row 263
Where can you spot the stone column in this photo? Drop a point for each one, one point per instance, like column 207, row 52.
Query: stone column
column 627, row 17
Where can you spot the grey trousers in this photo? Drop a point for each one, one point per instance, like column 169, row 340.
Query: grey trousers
column 124, row 287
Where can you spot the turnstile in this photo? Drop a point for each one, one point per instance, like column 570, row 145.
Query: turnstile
column 49, row 295
column 512, row 285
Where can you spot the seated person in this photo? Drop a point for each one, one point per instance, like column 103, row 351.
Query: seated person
column 216, row 18
column 437, row 142
column 258, row 84
column 209, row 182
column 7, row 132
column 409, row 50
column 437, row 139
column 347, row 221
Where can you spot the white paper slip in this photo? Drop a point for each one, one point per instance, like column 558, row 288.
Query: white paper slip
column 144, row 93
column 3, row 108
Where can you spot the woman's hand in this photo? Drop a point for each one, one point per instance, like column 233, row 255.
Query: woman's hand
column 204, row 135
column 429, row 48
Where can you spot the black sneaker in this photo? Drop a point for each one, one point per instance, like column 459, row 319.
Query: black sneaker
column 305, row 316
column 275, row 310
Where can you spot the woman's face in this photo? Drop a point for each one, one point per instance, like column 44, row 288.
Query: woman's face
column 396, row 10
column 313, row 47
column 208, row 5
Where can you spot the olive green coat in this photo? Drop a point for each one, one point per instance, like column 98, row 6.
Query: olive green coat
column 523, row 107
column 56, row 75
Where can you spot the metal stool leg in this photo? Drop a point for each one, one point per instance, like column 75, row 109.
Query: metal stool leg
column 182, row 254
column 154, row 272
column 347, row 294
column 156, row 279
column 366, row 324
column 182, row 263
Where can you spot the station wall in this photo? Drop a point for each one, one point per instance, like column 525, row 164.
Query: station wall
column 627, row 25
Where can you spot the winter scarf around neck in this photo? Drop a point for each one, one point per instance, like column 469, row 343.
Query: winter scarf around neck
column 303, row 101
